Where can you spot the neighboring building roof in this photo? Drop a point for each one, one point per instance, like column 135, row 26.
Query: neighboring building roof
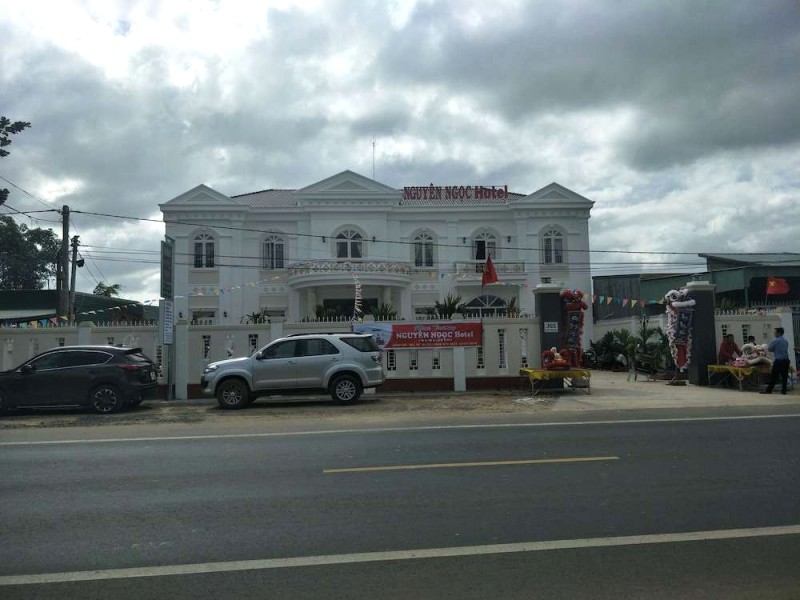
column 30, row 305
column 778, row 259
column 26, row 314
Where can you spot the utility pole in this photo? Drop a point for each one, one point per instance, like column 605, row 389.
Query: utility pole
column 63, row 295
column 75, row 244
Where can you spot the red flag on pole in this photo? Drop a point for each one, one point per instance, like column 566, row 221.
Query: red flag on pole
column 777, row 285
column 489, row 274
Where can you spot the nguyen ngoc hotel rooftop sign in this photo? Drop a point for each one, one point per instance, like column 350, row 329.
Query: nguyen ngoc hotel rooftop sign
column 454, row 192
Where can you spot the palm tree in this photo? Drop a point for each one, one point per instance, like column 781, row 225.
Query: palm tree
column 448, row 307
column 512, row 310
column 107, row 290
column 259, row 316
column 323, row 313
column 384, row 312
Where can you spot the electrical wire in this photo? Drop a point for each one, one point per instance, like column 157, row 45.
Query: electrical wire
column 24, row 191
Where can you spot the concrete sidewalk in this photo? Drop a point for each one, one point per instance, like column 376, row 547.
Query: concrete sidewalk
column 613, row 391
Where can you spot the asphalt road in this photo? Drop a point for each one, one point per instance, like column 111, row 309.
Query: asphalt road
column 246, row 510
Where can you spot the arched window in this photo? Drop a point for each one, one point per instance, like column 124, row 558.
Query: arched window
column 273, row 252
column 203, row 251
column 349, row 244
column 485, row 305
column 484, row 245
column 552, row 247
column 423, row 249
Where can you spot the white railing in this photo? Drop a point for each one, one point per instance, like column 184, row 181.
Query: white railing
column 349, row 266
column 503, row 267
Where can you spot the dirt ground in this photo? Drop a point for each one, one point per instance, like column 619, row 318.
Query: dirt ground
column 609, row 391
column 283, row 408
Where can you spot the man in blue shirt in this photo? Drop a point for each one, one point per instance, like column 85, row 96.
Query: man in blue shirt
column 780, row 363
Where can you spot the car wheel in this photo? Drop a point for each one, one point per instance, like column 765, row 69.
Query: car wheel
column 345, row 389
column 233, row 393
column 3, row 403
column 105, row 399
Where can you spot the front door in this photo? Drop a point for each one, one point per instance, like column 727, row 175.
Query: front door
column 42, row 386
column 275, row 367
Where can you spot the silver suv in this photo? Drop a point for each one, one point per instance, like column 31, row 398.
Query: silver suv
column 342, row 364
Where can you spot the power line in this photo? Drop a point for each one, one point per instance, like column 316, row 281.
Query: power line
column 29, row 213
column 114, row 250
column 409, row 242
column 90, row 258
column 24, row 191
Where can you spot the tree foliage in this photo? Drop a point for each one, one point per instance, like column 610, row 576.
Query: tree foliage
column 27, row 256
column 257, row 316
column 107, row 290
column 384, row 312
column 451, row 304
column 7, row 129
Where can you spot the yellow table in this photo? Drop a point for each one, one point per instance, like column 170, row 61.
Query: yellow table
column 572, row 379
column 741, row 374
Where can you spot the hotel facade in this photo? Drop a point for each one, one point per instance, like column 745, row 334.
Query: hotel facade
column 301, row 254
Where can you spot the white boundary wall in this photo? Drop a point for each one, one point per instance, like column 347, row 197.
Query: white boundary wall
column 508, row 344
column 198, row 345
column 740, row 323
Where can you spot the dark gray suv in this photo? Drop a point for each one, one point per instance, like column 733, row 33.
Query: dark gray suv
column 104, row 378
column 341, row 364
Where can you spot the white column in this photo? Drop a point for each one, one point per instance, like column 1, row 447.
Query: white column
column 85, row 333
column 275, row 328
column 406, row 309
column 181, row 360
column 785, row 316
column 8, row 354
column 311, row 302
column 459, row 369
column 387, row 295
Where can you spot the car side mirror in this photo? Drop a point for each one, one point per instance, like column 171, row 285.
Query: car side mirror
column 27, row 369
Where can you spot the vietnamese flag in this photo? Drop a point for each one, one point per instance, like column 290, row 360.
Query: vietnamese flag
column 777, row 285
column 489, row 274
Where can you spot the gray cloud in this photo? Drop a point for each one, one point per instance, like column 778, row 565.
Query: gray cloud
column 679, row 118
column 702, row 77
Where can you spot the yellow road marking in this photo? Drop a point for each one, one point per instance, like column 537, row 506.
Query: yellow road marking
column 496, row 463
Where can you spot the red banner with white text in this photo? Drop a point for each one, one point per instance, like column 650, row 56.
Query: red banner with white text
column 422, row 335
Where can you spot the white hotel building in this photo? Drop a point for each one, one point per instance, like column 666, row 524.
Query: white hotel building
column 288, row 252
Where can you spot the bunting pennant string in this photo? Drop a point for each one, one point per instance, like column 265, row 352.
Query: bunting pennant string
column 357, row 299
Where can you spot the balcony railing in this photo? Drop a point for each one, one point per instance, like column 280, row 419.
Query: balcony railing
column 474, row 268
column 365, row 266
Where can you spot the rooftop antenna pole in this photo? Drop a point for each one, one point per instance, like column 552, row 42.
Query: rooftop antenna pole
column 373, row 157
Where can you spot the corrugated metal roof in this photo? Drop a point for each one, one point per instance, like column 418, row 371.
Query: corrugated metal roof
column 267, row 199
column 26, row 314
column 778, row 259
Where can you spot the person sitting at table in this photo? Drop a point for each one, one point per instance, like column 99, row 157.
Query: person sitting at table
column 728, row 350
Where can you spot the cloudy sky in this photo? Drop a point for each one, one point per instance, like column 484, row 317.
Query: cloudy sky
column 680, row 119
